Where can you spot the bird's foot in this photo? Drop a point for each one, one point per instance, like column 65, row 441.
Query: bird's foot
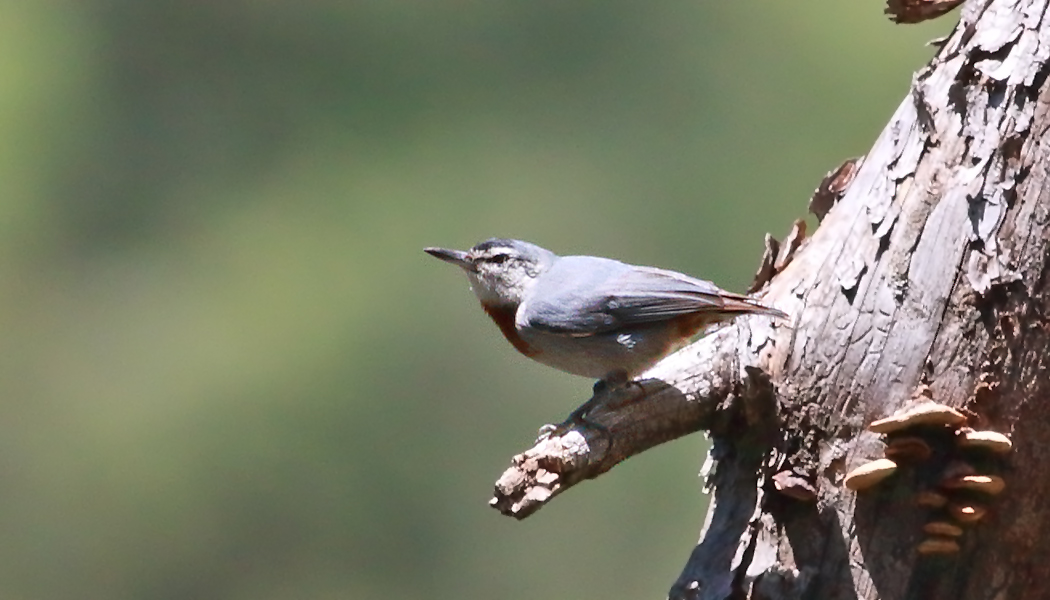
column 577, row 418
column 603, row 388
column 613, row 381
column 618, row 380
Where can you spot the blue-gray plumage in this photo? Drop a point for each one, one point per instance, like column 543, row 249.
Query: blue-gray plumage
column 591, row 316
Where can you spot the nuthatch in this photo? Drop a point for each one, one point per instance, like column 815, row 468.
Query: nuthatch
column 591, row 316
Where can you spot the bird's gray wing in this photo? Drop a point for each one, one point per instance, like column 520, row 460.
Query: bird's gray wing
column 584, row 296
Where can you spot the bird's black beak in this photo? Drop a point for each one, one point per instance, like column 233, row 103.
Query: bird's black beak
column 457, row 257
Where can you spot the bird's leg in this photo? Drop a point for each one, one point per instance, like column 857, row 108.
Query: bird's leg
column 614, row 380
column 618, row 380
column 577, row 417
column 603, row 388
column 607, row 383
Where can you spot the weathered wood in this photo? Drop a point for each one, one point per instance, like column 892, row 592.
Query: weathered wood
column 672, row 400
column 931, row 275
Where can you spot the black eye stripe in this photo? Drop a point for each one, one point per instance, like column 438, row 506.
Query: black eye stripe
column 499, row 259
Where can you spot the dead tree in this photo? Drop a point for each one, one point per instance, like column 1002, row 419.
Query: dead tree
column 928, row 279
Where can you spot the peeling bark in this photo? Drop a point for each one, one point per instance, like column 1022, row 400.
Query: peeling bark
column 930, row 274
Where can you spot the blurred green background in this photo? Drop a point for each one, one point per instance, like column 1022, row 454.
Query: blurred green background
column 228, row 369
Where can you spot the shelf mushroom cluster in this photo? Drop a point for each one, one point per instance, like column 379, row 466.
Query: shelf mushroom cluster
column 963, row 488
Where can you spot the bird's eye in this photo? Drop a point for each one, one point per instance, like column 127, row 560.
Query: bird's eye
column 499, row 259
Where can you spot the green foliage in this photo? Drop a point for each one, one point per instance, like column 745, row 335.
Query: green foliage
column 230, row 371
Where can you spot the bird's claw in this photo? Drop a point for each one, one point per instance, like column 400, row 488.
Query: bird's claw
column 547, row 431
column 603, row 388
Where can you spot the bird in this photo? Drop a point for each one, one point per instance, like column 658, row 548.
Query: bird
column 591, row 316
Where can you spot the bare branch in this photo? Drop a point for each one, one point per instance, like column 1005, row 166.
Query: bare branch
column 672, row 400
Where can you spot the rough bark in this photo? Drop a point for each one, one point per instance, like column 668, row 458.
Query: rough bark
column 930, row 274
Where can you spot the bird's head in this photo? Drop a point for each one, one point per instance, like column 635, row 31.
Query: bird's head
column 501, row 271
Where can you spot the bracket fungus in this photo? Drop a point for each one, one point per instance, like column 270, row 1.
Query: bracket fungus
column 926, row 413
column 993, row 441
column 795, row 486
column 869, row 474
column 908, row 448
column 930, row 431
column 938, row 545
column 985, row 484
column 967, row 513
column 958, row 468
column 931, row 499
column 942, row 528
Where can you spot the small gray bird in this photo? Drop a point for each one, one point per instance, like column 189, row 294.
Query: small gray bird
column 592, row 316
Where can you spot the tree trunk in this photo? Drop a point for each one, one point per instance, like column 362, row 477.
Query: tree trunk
column 929, row 278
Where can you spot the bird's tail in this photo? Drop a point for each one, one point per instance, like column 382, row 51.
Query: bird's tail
column 735, row 304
